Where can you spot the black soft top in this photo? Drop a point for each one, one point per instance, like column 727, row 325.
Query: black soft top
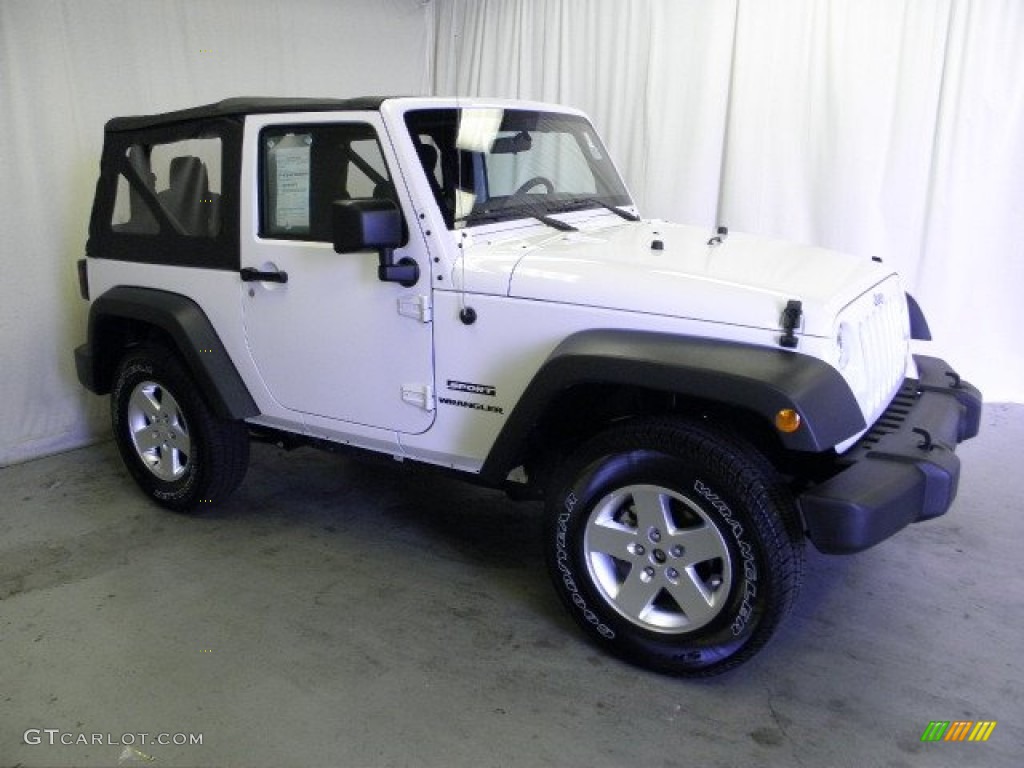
column 246, row 105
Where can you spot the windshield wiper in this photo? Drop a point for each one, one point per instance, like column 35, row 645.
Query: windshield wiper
column 552, row 222
column 503, row 214
column 587, row 202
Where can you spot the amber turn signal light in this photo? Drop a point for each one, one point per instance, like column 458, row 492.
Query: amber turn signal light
column 787, row 420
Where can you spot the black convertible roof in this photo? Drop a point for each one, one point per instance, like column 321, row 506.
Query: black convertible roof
column 246, row 105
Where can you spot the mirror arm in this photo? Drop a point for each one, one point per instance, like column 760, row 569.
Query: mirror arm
column 406, row 272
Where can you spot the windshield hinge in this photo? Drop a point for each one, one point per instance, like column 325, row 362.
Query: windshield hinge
column 416, row 307
column 420, row 395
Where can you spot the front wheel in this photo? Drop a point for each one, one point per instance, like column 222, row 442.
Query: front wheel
column 180, row 453
column 673, row 546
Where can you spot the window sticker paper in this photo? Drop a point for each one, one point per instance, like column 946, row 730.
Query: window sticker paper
column 292, row 165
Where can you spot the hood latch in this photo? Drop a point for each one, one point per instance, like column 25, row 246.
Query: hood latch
column 791, row 316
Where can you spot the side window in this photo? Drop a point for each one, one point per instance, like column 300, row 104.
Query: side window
column 304, row 169
column 176, row 182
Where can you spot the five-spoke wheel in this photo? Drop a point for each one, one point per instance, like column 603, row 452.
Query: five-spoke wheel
column 674, row 545
column 657, row 558
column 179, row 451
column 158, row 430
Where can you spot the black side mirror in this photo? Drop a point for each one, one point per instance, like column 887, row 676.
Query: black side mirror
column 359, row 225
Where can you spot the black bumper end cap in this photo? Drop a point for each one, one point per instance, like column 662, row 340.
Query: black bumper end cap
column 85, row 368
column 902, row 473
column 876, row 498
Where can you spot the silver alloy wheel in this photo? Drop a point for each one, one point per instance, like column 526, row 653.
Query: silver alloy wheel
column 159, row 431
column 657, row 558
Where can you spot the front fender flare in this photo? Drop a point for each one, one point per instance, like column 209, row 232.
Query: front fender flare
column 763, row 380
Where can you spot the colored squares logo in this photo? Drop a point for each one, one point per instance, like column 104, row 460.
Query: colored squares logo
column 958, row 730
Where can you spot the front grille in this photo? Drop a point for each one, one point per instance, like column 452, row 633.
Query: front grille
column 893, row 417
column 878, row 325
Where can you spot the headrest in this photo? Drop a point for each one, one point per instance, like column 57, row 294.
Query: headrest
column 188, row 170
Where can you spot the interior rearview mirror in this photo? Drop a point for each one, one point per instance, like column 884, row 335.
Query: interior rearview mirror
column 511, row 145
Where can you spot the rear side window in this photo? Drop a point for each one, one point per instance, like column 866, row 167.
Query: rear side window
column 170, row 188
column 304, row 169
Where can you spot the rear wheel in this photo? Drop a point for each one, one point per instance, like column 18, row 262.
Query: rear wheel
column 178, row 451
column 674, row 546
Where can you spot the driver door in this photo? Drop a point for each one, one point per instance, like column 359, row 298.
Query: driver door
column 333, row 340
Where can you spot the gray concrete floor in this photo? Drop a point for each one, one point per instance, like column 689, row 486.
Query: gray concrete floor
column 339, row 613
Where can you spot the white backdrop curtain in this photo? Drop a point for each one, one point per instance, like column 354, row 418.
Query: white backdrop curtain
column 884, row 127
column 66, row 66
column 892, row 128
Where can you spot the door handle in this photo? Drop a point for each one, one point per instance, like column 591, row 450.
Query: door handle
column 253, row 275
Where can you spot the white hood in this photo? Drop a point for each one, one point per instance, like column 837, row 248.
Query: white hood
column 745, row 280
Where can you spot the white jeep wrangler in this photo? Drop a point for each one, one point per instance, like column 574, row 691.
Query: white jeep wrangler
column 467, row 285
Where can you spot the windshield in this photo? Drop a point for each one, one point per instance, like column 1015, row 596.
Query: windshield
column 489, row 164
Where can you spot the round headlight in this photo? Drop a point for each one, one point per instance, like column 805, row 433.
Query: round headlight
column 844, row 340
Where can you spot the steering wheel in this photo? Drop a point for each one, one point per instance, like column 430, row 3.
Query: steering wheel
column 529, row 184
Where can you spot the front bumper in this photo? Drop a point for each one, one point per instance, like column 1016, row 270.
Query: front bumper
column 903, row 470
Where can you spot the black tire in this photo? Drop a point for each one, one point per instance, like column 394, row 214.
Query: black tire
column 180, row 453
column 674, row 546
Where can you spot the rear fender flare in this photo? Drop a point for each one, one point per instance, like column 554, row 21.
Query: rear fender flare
column 189, row 329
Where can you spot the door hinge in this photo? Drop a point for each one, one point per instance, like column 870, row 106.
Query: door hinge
column 416, row 307
column 420, row 395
